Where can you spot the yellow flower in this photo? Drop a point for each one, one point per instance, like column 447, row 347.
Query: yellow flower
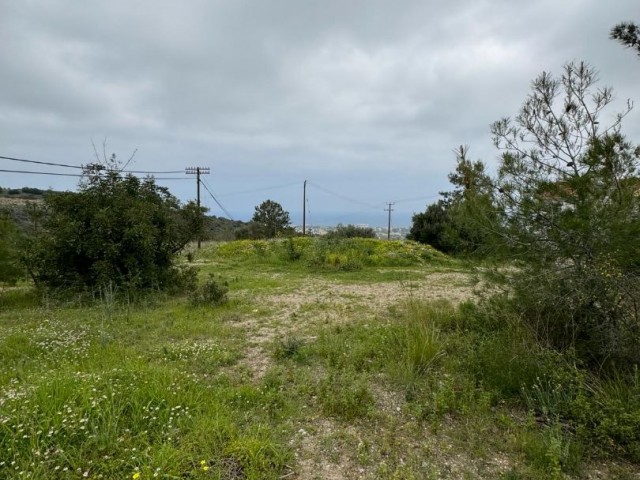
column 203, row 462
column 205, row 468
column 136, row 476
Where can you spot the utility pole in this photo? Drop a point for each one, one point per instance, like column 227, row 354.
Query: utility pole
column 304, row 208
column 389, row 209
column 197, row 171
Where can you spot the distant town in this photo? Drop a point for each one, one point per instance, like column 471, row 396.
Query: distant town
column 397, row 233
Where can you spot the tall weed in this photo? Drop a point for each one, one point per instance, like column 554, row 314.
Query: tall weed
column 417, row 344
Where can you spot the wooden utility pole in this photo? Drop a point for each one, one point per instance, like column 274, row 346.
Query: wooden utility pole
column 304, row 208
column 389, row 209
column 197, row 171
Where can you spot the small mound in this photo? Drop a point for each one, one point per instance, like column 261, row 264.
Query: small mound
column 341, row 254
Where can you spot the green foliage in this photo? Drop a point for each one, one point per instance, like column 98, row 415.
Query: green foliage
column 430, row 226
column 355, row 253
column 568, row 189
column 289, row 347
column 417, row 344
column 345, row 396
column 553, row 451
column 27, row 192
column 509, row 359
column 10, row 268
column 350, row 254
column 292, row 252
column 269, row 220
column 221, row 229
column 628, row 34
column 122, row 421
column 465, row 220
column 360, row 347
column 194, row 219
column 115, row 230
column 351, row 231
column 613, row 413
column 161, row 387
column 213, row 292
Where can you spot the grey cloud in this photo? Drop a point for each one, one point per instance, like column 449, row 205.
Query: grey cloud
column 367, row 90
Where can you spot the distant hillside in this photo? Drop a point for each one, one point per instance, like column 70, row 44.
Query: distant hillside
column 27, row 193
column 17, row 200
column 221, row 229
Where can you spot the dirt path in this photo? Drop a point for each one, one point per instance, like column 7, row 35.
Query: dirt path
column 320, row 302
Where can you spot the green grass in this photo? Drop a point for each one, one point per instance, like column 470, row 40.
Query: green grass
column 263, row 387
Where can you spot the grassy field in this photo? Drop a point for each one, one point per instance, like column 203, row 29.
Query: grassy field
column 353, row 359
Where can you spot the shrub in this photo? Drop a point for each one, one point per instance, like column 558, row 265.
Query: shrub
column 351, row 231
column 213, row 292
column 10, row 268
column 292, row 252
column 289, row 347
column 115, row 230
column 568, row 190
column 343, row 395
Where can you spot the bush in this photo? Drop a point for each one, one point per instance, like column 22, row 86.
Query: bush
column 351, row 231
column 344, row 396
column 289, row 347
column 115, row 230
column 292, row 252
column 212, row 293
column 10, row 268
column 568, row 190
column 430, row 226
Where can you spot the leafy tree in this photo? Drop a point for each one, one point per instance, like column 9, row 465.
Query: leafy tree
column 270, row 220
column 430, row 226
column 568, row 188
column 351, row 231
column 460, row 222
column 10, row 268
column 116, row 229
column 627, row 34
column 473, row 218
column 195, row 219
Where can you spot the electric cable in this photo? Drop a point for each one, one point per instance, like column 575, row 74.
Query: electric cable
column 246, row 192
column 43, row 173
column 82, row 167
column 41, row 163
column 204, row 184
column 344, row 197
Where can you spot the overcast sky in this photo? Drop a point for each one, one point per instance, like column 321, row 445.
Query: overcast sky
column 366, row 99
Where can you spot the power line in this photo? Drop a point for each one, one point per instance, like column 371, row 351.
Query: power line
column 82, row 167
column 43, row 173
column 246, row 192
column 343, row 196
column 147, row 172
column 77, row 175
column 415, row 199
column 41, row 163
column 169, row 178
column 204, row 184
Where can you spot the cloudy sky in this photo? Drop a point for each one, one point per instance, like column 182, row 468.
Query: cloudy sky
column 365, row 99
